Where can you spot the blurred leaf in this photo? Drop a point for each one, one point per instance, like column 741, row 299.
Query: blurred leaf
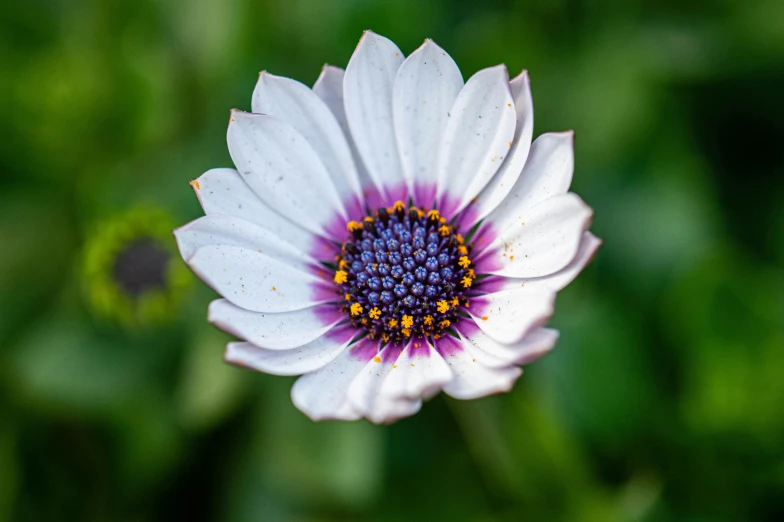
column 210, row 389
column 62, row 364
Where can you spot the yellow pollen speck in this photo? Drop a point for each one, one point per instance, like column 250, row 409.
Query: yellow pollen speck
column 375, row 313
column 471, row 273
column 377, row 359
column 369, row 219
column 464, row 261
column 347, row 296
column 437, row 337
column 428, row 320
column 341, row 277
column 442, row 307
column 508, row 104
column 385, row 337
column 445, row 323
column 406, row 332
column 455, row 302
column 353, row 226
column 467, row 305
column 392, row 323
column 356, row 309
column 407, row 321
column 463, row 249
column 484, row 318
column 511, row 257
column 195, row 184
column 273, row 288
column 343, row 265
column 444, row 230
column 364, row 320
column 466, row 282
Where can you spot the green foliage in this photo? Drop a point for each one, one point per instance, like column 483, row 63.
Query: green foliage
column 663, row 400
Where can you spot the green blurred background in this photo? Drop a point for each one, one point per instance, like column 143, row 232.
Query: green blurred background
column 663, row 401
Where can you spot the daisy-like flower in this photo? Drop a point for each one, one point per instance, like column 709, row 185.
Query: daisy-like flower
column 389, row 233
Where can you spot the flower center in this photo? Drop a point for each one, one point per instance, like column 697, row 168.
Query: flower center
column 403, row 272
column 141, row 266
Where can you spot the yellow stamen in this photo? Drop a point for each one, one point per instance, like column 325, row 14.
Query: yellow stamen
column 455, row 302
column 375, row 313
column 444, row 230
column 353, row 226
column 463, row 250
column 392, row 323
column 445, row 323
column 385, row 337
column 364, row 320
column 343, row 264
column 466, row 282
column 398, row 206
column 442, row 307
column 433, row 214
column 428, row 320
column 471, row 273
column 347, row 296
column 369, row 219
column 356, row 309
column 407, row 321
column 459, row 238
column 464, row 262
column 341, row 277
column 406, row 332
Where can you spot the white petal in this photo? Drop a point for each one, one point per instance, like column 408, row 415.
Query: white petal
column 322, row 394
column 508, row 315
column 542, row 242
column 305, row 359
column 502, row 182
column 419, row 372
column 255, row 281
column 494, row 354
column 365, row 391
column 589, row 244
column 367, row 89
column 217, row 229
column 426, row 87
column 296, row 104
column 477, row 138
column 282, row 168
column 274, row 331
column 223, row 191
column 329, row 87
column 547, row 173
column 472, row 379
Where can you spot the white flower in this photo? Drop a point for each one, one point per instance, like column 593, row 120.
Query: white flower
column 390, row 233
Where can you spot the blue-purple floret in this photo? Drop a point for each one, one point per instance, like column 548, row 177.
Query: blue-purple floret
column 403, row 263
